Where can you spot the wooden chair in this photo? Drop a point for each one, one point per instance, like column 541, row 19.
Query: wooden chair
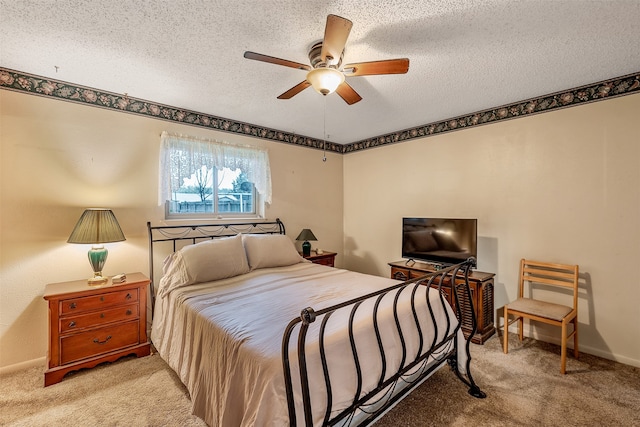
column 538, row 275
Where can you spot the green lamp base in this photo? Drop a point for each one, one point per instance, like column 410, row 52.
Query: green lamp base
column 306, row 249
column 97, row 257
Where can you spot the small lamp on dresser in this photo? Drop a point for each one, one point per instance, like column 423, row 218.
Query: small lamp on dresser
column 306, row 235
column 97, row 226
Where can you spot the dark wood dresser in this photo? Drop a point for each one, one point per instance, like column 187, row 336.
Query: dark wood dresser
column 481, row 285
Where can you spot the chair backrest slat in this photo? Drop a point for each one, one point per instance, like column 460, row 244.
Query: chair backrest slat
column 536, row 272
column 550, row 277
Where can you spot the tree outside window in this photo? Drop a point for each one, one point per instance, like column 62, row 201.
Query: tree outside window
column 233, row 192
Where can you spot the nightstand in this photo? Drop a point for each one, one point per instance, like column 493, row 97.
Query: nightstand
column 325, row 258
column 89, row 325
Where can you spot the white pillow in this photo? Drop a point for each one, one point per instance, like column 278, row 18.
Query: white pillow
column 215, row 259
column 270, row 250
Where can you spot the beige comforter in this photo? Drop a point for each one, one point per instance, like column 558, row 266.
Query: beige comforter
column 223, row 339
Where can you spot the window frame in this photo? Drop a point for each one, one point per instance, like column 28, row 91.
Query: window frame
column 216, row 213
column 232, row 155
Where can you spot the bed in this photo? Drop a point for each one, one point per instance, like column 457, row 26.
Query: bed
column 262, row 337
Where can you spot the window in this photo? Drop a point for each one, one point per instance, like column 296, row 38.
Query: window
column 204, row 178
column 232, row 193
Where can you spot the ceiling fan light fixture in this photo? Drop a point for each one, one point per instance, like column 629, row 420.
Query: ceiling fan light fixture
column 326, row 73
column 325, row 80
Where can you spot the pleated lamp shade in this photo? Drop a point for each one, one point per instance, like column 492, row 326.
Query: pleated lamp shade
column 95, row 227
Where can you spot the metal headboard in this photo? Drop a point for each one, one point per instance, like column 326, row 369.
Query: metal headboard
column 181, row 235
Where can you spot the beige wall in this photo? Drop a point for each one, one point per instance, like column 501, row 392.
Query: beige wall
column 561, row 186
column 58, row 158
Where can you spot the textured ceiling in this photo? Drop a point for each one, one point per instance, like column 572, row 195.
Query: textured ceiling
column 465, row 55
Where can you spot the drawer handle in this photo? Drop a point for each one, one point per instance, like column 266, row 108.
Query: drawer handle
column 400, row 276
column 102, row 298
column 72, row 324
column 72, row 305
column 128, row 296
column 102, row 315
column 97, row 341
column 129, row 312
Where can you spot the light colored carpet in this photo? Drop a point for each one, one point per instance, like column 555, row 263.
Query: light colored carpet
column 524, row 388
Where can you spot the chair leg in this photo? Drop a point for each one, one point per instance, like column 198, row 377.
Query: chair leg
column 563, row 349
column 521, row 328
column 505, row 340
column 575, row 337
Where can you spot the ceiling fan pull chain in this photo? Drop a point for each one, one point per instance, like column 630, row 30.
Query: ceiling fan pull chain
column 324, row 132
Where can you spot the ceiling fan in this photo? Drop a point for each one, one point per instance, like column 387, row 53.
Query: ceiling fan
column 326, row 73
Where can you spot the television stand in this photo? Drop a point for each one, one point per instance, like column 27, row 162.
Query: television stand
column 481, row 285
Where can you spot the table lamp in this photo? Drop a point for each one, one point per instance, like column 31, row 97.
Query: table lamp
column 97, row 226
column 306, row 235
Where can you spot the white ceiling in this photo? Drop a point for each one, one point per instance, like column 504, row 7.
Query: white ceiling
column 466, row 55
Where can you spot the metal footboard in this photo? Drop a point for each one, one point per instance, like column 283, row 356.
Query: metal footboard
column 368, row 405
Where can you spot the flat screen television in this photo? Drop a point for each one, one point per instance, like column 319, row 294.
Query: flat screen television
column 439, row 240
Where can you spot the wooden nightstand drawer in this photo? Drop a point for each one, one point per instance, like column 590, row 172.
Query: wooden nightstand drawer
column 78, row 305
column 399, row 273
column 98, row 341
column 405, row 273
column 101, row 317
column 324, row 261
column 325, row 258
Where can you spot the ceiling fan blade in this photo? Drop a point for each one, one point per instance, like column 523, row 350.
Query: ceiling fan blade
column 389, row 66
column 295, row 90
column 347, row 93
column 336, row 33
column 274, row 60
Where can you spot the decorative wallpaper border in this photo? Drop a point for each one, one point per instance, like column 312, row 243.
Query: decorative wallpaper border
column 619, row 86
column 38, row 85
column 42, row 86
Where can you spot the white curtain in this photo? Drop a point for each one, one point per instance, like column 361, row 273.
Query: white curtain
column 181, row 156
